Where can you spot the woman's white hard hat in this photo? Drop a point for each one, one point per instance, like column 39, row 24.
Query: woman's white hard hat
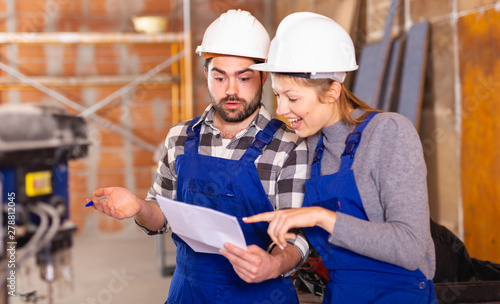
column 236, row 33
column 312, row 44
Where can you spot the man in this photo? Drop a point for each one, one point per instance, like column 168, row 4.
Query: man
column 234, row 159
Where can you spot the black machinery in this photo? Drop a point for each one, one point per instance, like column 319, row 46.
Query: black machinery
column 36, row 144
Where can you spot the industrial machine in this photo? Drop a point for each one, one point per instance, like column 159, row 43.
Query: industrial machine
column 36, row 144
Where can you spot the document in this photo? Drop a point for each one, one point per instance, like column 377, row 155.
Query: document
column 203, row 229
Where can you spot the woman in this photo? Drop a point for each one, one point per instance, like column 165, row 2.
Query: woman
column 365, row 208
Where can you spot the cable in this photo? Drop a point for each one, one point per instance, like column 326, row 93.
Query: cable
column 31, row 245
column 48, row 234
column 43, row 234
column 55, row 225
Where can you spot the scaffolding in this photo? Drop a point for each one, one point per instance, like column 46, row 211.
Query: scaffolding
column 180, row 80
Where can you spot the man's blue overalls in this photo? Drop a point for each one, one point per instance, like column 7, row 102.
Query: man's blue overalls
column 355, row 278
column 232, row 187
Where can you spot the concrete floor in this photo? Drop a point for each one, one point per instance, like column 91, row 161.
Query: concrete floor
column 108, row 269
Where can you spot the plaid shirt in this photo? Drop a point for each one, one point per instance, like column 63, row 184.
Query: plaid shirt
column 282, row 167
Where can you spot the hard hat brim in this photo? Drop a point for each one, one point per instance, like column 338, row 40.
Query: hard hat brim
column 266, row 67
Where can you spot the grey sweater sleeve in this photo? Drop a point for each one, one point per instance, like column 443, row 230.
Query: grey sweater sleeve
column 390, row 174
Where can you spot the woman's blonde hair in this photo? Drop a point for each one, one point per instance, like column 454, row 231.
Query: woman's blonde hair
column 347, row 100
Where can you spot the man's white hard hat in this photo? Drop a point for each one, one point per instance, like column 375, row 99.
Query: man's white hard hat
column 235, row 33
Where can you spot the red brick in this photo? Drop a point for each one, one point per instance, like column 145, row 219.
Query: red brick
column 25, row 24
column 100, row 25
column 69, row 7
column 142, row 112
column 155, row 7
column 31, row 6
column 106, row 51
column 152, row 135
column 77, row 182
column 105, row 178
column 31, row 95
column 144, row 177
column 149, row 92
column 30, row 51
column 69, row 24
column 111, row 160
column 97, row 7
column 146, row 50
column 105, row 91
column 69, row 68
column 110, row 139
column 148, row 63
column 32, row 68
column 143, row 158
column 107, row 68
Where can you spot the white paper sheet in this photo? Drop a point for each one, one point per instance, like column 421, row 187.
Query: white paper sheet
column 203, row 229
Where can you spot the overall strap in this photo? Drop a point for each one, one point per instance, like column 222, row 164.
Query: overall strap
column 262, row 139
column 352, row 142
column 318, row 155
column 193, row 138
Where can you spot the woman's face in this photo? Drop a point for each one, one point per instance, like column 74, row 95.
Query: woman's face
column 302, row 107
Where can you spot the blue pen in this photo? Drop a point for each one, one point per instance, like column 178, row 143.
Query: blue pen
column 100, row 198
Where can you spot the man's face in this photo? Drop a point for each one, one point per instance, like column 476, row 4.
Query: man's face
column 234, row 89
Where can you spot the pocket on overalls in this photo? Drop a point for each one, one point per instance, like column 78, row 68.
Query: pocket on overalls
column 218, row 196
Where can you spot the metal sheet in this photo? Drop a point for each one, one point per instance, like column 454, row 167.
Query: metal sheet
column 389, row 91
column 413, row 73
column 373, row 63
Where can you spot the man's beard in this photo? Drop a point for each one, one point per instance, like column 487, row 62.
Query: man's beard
column 236, row 115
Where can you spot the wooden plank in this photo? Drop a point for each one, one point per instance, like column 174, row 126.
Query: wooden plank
column 479, row 41
column 413, row 73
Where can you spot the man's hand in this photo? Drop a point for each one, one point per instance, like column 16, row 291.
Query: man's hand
column 120, row 204
column 256, row 265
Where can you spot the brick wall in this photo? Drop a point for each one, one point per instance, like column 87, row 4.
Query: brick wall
column 113, row 160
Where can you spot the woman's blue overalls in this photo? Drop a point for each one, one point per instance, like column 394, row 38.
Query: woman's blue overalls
column 355, row 278
column 232, row 187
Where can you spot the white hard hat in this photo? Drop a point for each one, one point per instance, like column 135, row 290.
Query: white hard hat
column 236, row 33
column 313, row 44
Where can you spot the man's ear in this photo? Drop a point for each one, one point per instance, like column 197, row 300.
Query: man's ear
column 205, row 72
column 334, row 91
column 264, row 77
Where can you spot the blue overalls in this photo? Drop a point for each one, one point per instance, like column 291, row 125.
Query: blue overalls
column 355, row 278
column 232, row 187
